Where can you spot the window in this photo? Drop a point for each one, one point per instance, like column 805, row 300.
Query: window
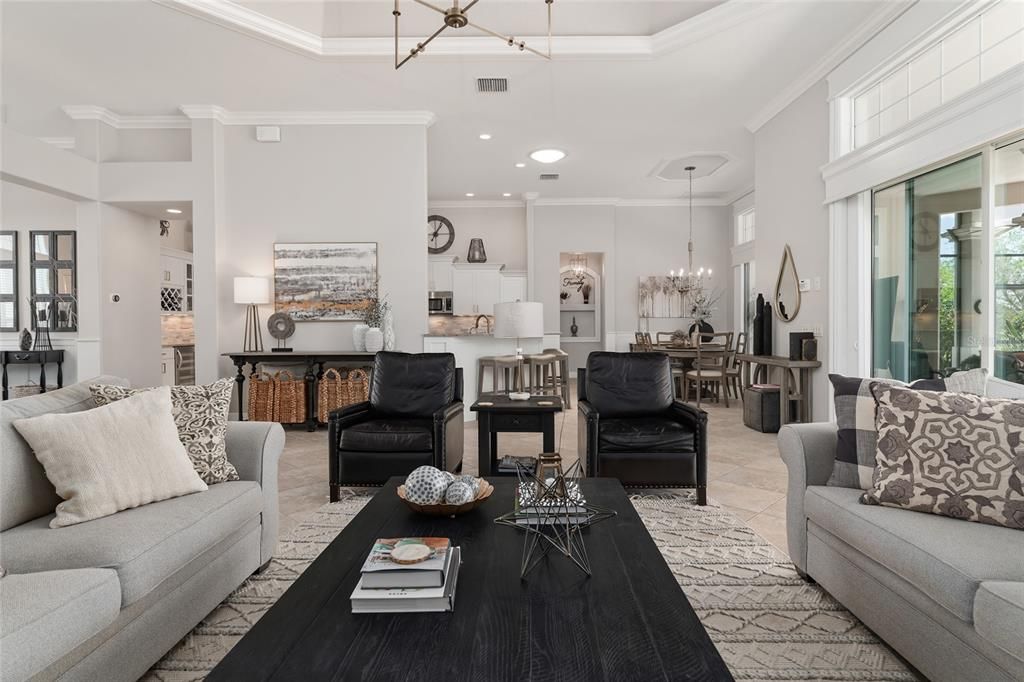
column 745, row 298
column 8, row 281
column 745, row 226
column 54, row 280
column 1008, row 261
column 984, row 45
column 928, row 287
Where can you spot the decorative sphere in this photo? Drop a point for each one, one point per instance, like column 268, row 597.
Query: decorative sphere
column 459, row 493
column 425, row 485
column 449, row 476
column 473, row 482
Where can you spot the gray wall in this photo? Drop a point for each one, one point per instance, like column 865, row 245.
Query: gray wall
column 130, row 257
column 502, row 229
column 326, row 184
column 789, row 152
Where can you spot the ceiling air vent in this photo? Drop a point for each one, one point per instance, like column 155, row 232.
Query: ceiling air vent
column 549, row 176
column 492, row 85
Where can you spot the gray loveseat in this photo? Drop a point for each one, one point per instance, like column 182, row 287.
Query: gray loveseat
column 105, row 599
column 948, row 595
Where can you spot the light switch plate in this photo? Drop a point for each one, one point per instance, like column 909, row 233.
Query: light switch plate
column 805, row 285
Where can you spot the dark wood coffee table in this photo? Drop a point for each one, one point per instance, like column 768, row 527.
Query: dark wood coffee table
column 499, row 414
column 629, row 621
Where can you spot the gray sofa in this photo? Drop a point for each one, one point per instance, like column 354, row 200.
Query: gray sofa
column 948, row 595
column 105, row 599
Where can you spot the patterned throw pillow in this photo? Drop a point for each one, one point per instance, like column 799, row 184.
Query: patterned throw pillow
column 855, row 419
column 201, row 415
column 951, row 454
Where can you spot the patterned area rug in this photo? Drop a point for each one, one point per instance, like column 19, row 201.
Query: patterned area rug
column 767, row 623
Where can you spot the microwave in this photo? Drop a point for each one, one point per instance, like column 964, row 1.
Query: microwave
column 439, row 303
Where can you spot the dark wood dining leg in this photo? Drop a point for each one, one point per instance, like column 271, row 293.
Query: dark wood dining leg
column 310, row 378
column 60, row 374
column 42, row 377
column 240, row 382
column 5, row 381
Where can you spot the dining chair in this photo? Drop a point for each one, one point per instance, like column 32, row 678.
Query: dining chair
column 643, row 342
column 734, row 370
column 710, row 365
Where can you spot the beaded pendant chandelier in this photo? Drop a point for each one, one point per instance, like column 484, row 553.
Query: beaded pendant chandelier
column 690, row 284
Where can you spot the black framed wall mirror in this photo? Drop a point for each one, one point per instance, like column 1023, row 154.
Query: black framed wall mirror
column 8, row 281
column 54, row 279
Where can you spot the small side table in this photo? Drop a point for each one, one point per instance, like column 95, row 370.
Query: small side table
column 498, row 414
column 33, row 357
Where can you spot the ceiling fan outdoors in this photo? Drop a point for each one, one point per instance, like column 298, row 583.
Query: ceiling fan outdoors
column 456, row 17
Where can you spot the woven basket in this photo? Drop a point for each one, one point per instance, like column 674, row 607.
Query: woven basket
column 25, row 390
column 335, row 391
column 289, row 398
column 262, row 398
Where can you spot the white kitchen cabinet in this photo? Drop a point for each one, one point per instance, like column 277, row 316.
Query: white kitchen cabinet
column 167, row 366
column 513, row 287
column 476, row 287
column 176, row 287
column 440, row 273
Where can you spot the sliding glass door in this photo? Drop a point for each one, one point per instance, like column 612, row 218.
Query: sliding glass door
column 1008, row 260
column 928, row 273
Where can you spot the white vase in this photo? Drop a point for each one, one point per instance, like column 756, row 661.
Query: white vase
column 359, row 337
column 389, row 332
column 374, row 340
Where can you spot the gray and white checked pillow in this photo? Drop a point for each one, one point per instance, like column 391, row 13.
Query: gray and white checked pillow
column 855, row 418
column 201, row 417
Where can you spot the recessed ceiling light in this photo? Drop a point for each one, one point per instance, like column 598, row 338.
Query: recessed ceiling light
column 520, row 165
column 174, row 210
column 470, row 195
column 548, row 155
column 507, row 194
column 485, row 136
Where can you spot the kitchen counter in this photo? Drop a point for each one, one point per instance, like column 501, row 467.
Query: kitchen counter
column 458, row 325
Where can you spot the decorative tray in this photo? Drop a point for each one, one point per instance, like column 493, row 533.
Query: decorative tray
column 449, row 509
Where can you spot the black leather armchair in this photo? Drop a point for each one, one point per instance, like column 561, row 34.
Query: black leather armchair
column 632, row 428
column 414, row 417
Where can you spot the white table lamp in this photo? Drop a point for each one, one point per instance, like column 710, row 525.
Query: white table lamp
column 252, row 292
column 519, row 320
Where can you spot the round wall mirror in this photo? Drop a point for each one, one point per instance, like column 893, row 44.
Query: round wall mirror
column 787, row 288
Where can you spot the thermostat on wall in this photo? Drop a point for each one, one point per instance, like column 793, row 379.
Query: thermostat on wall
column 268, row 133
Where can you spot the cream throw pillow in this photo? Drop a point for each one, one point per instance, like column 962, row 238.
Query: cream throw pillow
column 107, row 459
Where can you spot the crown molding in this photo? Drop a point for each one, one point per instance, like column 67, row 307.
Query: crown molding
column 199, row 112
column 235, row 17
column 668, row 202
column 88, row 112
column 59, row 142
column 572, row 201
column 738, row 194
column 474, row 203
column 868, row 29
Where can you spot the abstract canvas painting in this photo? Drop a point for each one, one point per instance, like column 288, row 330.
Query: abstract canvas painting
column 325, row 282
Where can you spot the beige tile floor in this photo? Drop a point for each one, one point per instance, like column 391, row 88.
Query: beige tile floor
column 745, row 473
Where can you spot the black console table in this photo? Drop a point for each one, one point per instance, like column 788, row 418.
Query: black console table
column 314, row 363
column 34, row 357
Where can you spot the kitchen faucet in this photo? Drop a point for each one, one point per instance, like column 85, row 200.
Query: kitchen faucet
column 486, row 319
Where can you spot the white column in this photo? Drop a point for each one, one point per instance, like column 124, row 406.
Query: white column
column 89, row 350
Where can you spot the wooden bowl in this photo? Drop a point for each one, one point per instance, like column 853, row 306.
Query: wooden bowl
column 449, row 509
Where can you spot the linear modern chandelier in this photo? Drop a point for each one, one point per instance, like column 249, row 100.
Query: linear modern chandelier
column 455, row 17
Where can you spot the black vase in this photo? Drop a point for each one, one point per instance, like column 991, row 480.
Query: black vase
column 705, row 328
column 574, row 328
column 758, row 340
column 766, row 344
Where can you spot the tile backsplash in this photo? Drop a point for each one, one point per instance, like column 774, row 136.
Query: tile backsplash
column 177, row 329
column 455, row 325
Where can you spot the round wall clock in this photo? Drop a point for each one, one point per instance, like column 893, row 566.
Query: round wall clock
column 440, row 234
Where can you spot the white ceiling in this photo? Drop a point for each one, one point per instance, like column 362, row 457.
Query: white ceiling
column 616, row 117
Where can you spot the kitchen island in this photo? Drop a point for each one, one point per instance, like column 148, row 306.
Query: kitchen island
column 468, row 348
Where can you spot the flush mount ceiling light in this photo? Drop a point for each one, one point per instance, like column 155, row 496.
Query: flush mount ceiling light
column 174, row 211
column 520, row 165
column 547, row 155
column 470, row 195
column 485, row 136
column 455, row 17
column 507, row 194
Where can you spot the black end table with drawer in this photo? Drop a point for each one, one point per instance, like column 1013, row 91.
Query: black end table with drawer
column 33, row 357
column 499, row 414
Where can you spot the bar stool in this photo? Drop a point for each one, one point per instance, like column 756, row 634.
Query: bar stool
column 541, row 368
column 561, row 381
column 506, row 367
column 483, row 363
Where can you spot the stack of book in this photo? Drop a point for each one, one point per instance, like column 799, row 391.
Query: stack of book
column 510, row 464
column 390, row 587
column 533, row 508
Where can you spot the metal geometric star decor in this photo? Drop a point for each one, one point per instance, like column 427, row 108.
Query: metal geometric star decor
column 553, row 513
